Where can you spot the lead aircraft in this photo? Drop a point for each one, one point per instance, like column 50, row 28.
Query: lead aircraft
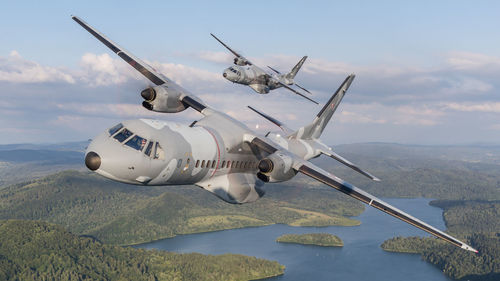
column 217, row 152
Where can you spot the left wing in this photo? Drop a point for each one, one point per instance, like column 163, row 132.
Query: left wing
column 309, row 169
column 149, row 72
column 244, row 61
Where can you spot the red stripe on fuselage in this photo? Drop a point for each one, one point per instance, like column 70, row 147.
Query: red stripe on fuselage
column 218, row 152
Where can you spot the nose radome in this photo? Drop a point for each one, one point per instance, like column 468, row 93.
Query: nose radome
column 92, row 161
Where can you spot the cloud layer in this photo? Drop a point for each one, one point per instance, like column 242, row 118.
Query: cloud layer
column 385, row 103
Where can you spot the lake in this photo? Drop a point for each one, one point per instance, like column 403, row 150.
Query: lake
column 361, row 258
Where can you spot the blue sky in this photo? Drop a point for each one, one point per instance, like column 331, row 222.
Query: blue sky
column 427, row 71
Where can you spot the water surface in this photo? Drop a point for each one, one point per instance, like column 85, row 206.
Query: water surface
column 361, row 258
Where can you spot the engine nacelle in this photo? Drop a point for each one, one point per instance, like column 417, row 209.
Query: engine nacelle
column 162, row 99
column 241, row 61
column 276, row 167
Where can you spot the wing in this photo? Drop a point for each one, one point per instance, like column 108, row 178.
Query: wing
column 313, row 171
column 142, row 67
column 293, row 90
column 232, row 51
column 149, row 72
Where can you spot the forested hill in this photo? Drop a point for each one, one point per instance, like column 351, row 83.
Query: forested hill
column 34, row 250
column 116, row 213
column 478, row 223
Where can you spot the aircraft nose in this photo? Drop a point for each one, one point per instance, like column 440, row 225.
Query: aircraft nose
column 224, row 74
column 92, row 161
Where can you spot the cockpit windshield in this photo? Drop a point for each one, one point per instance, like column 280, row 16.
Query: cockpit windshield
column 115, row 129
column 136, row 142
column 123, row 135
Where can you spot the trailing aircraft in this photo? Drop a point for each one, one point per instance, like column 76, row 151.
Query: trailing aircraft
column 217, row 152
column 246, row 73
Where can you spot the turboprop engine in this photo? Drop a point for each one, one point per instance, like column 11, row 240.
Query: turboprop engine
column 276, row 167
column 241, row 61
column 163, row 99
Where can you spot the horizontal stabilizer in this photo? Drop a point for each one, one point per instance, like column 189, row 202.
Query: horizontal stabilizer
column 349, row 164
column 272, row 120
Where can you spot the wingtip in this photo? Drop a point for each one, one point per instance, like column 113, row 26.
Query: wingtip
column 469, row 248
column 375, row 179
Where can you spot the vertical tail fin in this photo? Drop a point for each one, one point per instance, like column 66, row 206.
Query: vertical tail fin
column 314, row 130
column 296, row 68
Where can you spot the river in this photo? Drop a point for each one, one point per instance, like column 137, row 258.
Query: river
column 361, row 258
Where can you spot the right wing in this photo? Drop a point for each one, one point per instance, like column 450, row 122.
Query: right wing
column 293, row 90
column 309, row 169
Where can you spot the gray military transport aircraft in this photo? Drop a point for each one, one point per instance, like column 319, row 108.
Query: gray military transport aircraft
column 217, row 152
column 246, row 73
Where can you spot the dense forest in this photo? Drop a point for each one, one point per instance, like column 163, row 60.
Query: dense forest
column 477, row 222
column 34, row 250
column 123, row 214
column 318, row 239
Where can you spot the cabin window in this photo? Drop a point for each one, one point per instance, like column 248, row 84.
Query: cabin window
column 148, row 149
column 228, row 164
column 159, row 153
column 115, row 129
column 232, row 166
column 179, row 163
column 203, row 164
column 136, row 142
column 213, row 164
column 123, row 135
column 223, row 163
column 237, row 164
column 208, row 164
column 245, row 165
column 197, row 163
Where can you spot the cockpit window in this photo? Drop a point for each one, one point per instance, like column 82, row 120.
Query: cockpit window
column 123, row 135
column 115, row 129
column 136, row 142
column 149, row 148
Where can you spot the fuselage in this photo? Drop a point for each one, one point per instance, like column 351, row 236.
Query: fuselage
column 154, row 152
column 252, row 76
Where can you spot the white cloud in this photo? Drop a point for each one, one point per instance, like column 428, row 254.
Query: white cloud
column 217, row 57
column 16, row 69
column 490, row 107
column 471, row 61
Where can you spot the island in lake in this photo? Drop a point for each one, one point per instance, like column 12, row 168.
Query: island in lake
column 318, row 239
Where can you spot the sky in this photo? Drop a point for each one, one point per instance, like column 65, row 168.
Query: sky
column 426, row 71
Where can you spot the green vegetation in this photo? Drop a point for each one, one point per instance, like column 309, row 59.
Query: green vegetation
column 410, row 171
column 123, row 214
column 478, row 223
column 34, row 250
column 318, row 239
